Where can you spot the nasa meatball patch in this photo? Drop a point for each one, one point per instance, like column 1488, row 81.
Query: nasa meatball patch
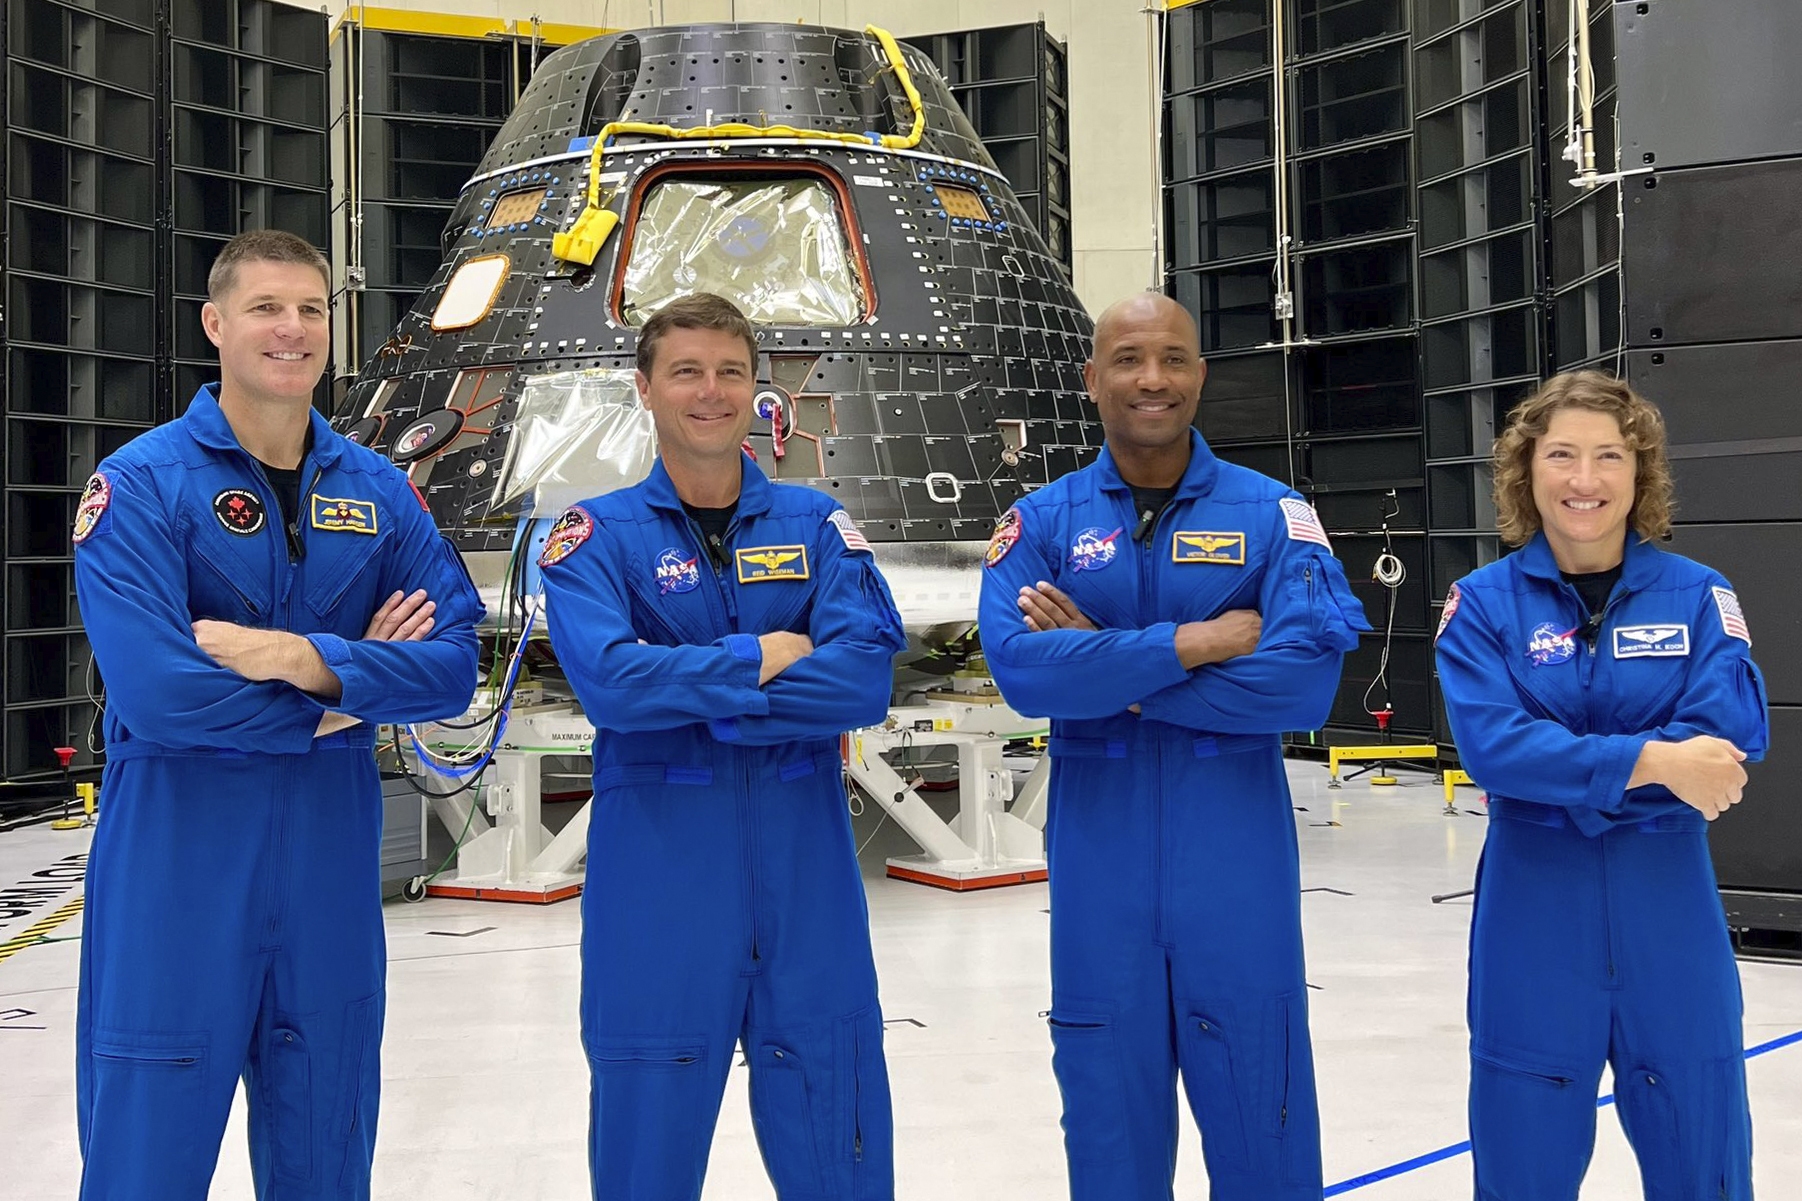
column 677, row 571
column 240, row 511
column 94, row 501
column 568, row 532
column 1095, row 548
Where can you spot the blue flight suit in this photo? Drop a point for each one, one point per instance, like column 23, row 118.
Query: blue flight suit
column 233, row 917
column 1175, row 906
column 1598, row 932
column 723, row 899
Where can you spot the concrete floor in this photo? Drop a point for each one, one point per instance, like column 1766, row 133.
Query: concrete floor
column 485, row 1090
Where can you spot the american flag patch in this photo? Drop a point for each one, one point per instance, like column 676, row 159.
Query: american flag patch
column 847, row 529
column 1733, row 621
column 1304, row 523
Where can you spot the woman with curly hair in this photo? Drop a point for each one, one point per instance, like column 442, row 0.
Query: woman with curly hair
column 1603, row 691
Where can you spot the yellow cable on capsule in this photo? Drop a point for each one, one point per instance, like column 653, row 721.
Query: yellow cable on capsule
column 582, row 242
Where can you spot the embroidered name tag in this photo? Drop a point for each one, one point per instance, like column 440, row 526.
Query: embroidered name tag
column 1651, row 642
column 355, row 516
column 759, row 563
column 1206, row 546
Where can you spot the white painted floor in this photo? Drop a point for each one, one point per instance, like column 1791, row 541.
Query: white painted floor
column 485, row 1093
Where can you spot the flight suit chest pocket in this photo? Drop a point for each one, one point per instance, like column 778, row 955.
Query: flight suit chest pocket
column 228, row 578
column 668, row 608
column 343, row 574
column 1647, row 667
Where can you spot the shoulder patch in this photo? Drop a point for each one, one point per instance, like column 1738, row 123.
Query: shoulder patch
column 1304, row 524
column 1007, row 532
column 95, row 498
column 1451, row 607
column 568, row 533
column 847, row 530
column 1733, row 620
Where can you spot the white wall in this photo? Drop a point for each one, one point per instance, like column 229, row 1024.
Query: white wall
column 1112, row 186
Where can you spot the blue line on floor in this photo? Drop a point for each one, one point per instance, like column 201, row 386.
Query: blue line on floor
column 1456, row 1149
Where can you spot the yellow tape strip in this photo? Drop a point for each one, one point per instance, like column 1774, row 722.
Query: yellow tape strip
column 406, row 20
column 31, row 934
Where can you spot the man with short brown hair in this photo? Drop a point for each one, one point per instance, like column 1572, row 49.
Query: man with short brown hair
column 259, row 593
column 722, row 632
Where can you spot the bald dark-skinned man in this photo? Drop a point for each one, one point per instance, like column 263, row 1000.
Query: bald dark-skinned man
column 1173, row 615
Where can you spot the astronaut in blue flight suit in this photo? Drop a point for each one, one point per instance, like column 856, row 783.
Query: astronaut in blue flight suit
column 1603, row 692
column 721, row 632
column 258, row 593
column 1173, row 615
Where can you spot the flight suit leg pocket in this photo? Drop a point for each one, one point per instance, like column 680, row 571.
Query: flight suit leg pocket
column 864, row 1133
column 1532, row 1124
column 288, row 1103
column 646, row 1104
column 788, row 1091
column 359, row 1093
column 149, row 1098
column 1688, row 1129
column 1085, row 1056
column 1205, row 1049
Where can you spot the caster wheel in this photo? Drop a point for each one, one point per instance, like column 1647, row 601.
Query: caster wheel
column 413, row 891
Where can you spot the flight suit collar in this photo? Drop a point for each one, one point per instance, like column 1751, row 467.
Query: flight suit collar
column 754, row 490
column 1198, row 478
column 1639, row 568
column 206, row 424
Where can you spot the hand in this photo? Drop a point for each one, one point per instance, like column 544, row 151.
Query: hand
column 1232, row 634
column 402, row 618
column 252, row 653
column 332, row 722
column 1703, row 772
column 781, row 650
column 1045, row 607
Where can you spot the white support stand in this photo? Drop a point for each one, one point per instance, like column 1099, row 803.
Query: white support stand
column 984, row 846
column 514, row 857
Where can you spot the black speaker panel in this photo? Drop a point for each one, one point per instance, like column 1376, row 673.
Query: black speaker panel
column 1713, row 254
column 1760, row 561
column 1697, row 89
column 1758, row 843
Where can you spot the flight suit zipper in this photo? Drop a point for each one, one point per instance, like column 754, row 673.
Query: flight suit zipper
column 1147, row 612
column 1591, row 628
column 718, row 553
column 856, row 1098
